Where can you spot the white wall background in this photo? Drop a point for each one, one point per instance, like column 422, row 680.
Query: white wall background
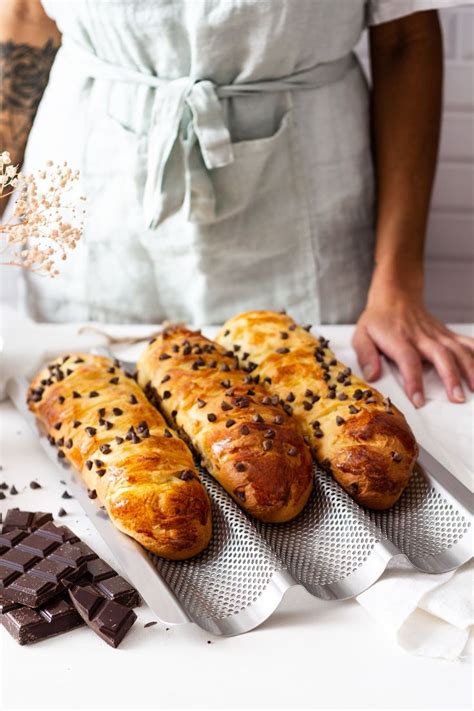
column 450, row 240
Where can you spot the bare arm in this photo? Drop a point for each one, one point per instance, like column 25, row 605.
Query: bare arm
column 29, row 40
column 406, row 58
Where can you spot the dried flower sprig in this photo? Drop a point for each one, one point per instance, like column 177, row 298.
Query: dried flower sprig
column 37, row 235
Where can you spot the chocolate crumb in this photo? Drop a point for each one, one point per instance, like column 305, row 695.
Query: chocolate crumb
column 89, row 464
column 167, row 433
column 119, row 440
column 240, row 466
column 13, row 490
column 211, row 417
column 2, row 496
column 229, row 423
column 150, row 624
column 166, row 395
column 186, row 475
column 267, row 444
column 35, row 485
column 133, row 400
column 114, row 381
column 92, row 494
column 91, row 431
column 100, row 472
column 165, row 378
column 339, row 420
column 66, row 494
column 244, row 430
column 396, row 456
column 94, row 393
column 76, row 424
column 292, row 451
column 290, row 397
column 62, row 512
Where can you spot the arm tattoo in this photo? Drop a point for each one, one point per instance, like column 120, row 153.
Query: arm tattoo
column 24, row 73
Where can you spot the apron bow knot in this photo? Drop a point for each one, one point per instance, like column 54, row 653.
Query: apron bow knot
column 196, row 134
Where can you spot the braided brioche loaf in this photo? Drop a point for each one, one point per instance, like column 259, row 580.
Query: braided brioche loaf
column 244, row 437
column 142, row 473
column 353, row 430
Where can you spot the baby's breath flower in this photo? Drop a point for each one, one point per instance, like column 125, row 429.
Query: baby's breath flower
column 39, row 234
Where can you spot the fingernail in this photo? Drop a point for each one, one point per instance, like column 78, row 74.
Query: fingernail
column 368, row 371
column 418, row 400
column 458, row 393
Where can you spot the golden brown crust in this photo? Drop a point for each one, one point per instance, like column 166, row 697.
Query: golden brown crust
column 251, row 447
column 352, row 428
column 142, row 473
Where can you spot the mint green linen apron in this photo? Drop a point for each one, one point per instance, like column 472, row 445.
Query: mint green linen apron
column 225, row 156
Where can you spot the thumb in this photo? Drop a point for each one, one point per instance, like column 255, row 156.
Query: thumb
column 367, row 354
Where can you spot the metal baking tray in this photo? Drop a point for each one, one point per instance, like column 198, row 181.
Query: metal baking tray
column 334, row 548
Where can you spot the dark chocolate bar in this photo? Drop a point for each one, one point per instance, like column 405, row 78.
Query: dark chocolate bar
column 27, row 626
column 37, row 563
column 109, row 620
column 35, row 567
column 27, row 521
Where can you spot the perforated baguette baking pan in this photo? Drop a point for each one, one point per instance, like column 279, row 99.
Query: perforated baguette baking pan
column 334, row 548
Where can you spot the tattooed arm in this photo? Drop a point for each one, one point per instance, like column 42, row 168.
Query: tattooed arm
column 29, row 41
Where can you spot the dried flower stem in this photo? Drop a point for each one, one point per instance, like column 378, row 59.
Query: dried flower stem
column 38, row 235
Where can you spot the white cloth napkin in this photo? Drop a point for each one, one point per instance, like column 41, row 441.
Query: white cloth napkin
column 427, row 615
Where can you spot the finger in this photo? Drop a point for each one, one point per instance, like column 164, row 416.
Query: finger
column 409, row 364
column 465, row 341
column 464, row 359
column 446, row 367
column 367, row 354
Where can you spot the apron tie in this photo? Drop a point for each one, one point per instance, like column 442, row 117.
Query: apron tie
column 192, row 113
column 188, row 136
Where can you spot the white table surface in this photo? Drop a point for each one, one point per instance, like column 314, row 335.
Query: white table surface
column 309, row 654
